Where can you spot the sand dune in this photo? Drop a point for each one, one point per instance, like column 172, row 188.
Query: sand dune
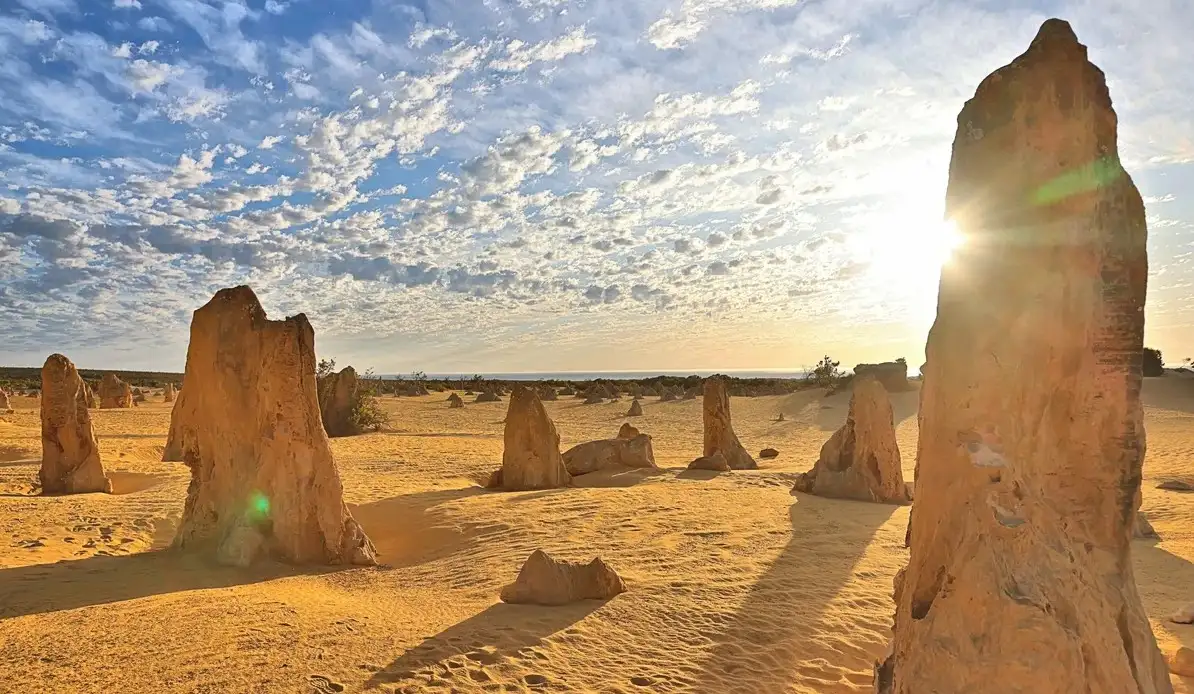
column 734, row 584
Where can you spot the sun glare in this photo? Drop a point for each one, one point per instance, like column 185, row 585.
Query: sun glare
column 910, row 243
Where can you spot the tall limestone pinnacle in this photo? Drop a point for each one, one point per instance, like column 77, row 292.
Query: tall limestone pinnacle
column 1031, row 436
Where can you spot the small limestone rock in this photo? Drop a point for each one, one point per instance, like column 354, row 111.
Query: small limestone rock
column 4, row 403
column 594, row 398
column 592, row 456
column 70, row 459
column 861, row 460
column 168, row 393
column 1176, row 486
column 719, row 432
column 548, row 394
column 455, row 400
column 531, row 454
column 114, row 393
column 627, row 431
column 1183, row 616
column 547, row 581
column 768, row 453
column 636, row 410
column 716, row 462
column 488, row 396
column 1181, row 663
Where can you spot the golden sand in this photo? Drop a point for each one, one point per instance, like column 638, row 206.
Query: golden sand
column 734, row 584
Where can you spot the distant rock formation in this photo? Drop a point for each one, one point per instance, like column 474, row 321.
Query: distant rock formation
column 455, row 400
column 487, row 396
column 892, row 374
column 138, row 397
column 263, row 480
column 667, row 394
column 719, row 432
column 1020, row 575
column 531, row 454
column 5, row 405
column 89, row 395
column 627, row 431
column 337, row 397
column 547, row 394
column 636, row 409
column 168, row 393
column 114, row 393
column 70, row 459
column 623, row 451
column 861, row 460
column 594, row 397
column 691, row 393
column 547, row 581
column 567, row 391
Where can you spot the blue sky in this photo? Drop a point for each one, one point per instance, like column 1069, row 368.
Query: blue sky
column 532, row 185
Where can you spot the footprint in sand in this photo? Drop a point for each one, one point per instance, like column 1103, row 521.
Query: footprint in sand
column 642, row 681
column 534, row 680
column 324, row 685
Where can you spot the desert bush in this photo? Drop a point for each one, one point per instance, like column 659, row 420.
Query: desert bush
column 826, row 373
column 1152, row 362
column 367, row 413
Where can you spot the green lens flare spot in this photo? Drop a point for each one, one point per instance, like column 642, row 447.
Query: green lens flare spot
column 1081, row 180
column 258, row 506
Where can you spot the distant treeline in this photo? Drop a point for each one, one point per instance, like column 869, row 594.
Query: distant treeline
column 29, row 377
column 737, row 386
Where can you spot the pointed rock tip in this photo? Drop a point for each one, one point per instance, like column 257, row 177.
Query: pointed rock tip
column 1055, row 32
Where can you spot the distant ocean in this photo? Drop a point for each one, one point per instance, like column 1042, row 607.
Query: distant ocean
column 612, row 375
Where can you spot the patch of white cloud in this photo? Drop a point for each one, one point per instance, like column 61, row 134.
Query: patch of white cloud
column 519, row 55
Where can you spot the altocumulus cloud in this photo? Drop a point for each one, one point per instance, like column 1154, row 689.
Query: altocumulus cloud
column 491, row 176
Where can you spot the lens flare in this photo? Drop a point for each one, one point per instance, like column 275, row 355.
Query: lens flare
column 258, row 506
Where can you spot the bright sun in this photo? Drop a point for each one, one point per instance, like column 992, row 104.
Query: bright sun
column 909, row 243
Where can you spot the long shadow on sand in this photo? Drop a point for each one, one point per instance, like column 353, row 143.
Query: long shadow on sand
column 100, row 580
column 412, row 529
column 499, row 631
column 776, row 626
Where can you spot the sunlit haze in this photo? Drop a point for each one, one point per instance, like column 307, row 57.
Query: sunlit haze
column 530, row 186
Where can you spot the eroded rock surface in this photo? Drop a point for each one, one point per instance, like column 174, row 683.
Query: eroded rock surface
column 719, row 432
column 636, row 409
column 263, row 480
column 892, row 374
column 70, row 459
column 1031, row 437
column 861, row 460
column 623, row 451
column 114, row 393
column 547, row 581
column 337, row 398
column 531, row 454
